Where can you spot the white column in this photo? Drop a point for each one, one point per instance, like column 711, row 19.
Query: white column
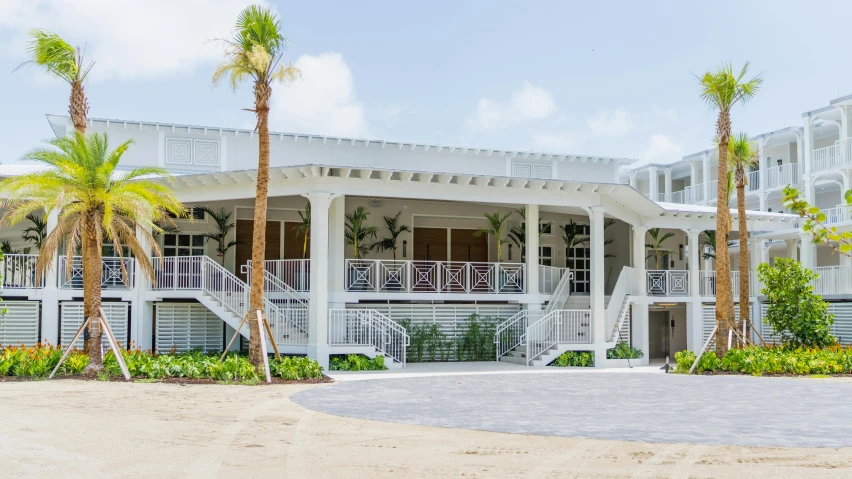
column 632, row 179
column 807, row 251
column 50, row 293
column 336, row 252
column 639, row 329
column 694, row 318
column 694, row 262
column 318, row 316
column 761, row 172
column 653, row 187
column 668, row 178
column 808, row 145
column 693, row 180
column 705, row 177
column 141, row 309
column 762, row 197
column 845, row 122
column 792, row 248
column 639, row 257
column 596, row 240
column 532, row 256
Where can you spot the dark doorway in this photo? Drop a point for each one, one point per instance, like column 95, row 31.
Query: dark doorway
column 430, row 244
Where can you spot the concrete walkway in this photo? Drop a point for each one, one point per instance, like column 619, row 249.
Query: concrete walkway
column 726, row 410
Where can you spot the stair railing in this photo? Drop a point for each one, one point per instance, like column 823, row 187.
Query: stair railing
column 510, row 333
column 572, row 326
column 368, row 327
column 561, row 293
column 625, row 285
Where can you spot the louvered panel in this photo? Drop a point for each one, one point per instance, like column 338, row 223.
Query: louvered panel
column 19, row 326
column 709, row 319
column 841, row 329
column 624, row 332
column 71, row 317
column 187, row 326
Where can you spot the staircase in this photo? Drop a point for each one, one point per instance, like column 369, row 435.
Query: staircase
column 368, row 332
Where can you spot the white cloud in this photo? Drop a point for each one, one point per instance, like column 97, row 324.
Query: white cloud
column 661, row 149
column 530, row 103
column 664, row 114
column 128, row 39
column 557, row 142
column 322, row 101
column 610, row 123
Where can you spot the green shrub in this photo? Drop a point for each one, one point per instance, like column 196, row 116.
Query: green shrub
column 708, row 362
column 357, row 362
column 683, row 361
column 295, row 368
column 623, row 350
column 475, row 339
column 581, row 359
column 794, row 312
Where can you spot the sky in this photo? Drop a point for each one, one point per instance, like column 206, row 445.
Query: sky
column 607, row 78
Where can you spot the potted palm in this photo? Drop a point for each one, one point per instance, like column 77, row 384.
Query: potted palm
column 357, row 234
column 224, row 226
column 389, row 243
column 496, row 227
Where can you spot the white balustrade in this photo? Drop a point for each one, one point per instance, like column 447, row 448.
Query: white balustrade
column 295, row 273
column 116, row 273
column 389, row 276
column 661, row 282
column 707, row 285
column 753, row 178
column 679, row 197
column 833, row 280
column 20, row 271
column 695, row 193
column 569, row 326
column 549, row 277
column 832, row 156
column 367, row 327
column 511, row 333
column 661, row 197
column 714, row 191
column 293, row 307
column 838, row 214
column 781, row 176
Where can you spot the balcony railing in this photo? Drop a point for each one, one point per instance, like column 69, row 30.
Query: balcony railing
column 295, row 273
column 389, row 276
column 707, row 286
column 667, row 282
column 678, row 197
column 838, row 214
column 548, row 278
column 838, row 154
column 753, row 178
column 833, row 280
column 116, row 273
column 714, row 192
column 20, row 272
column 661, row 197
column 781, row 176
column 694, row 193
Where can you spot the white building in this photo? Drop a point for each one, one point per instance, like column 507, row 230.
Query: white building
column 548, row 301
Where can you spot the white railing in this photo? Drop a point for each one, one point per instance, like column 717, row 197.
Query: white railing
column 625, row 285
column 294, row 308
column 661, row 197
column 678, row 197
column 667, row 282
column 204, row 274
column 707, row 284
column 560, row 295
column 833, row 280
column 753, row 178
column 367, row 327
column 838, row 214
column 781, row 176
column 20, row 271
column 832, row 156
column 549, row 277
column 390, row 276
column 695, row 193
column 116, row 273
column 295, row 273
column 714, row 191
column 569, row 326
column 510, row 333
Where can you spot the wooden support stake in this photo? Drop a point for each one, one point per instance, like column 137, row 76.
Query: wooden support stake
column 704, row 348
column 262, row 332
column 114, row 345
column 68, row 350
column 271, row 337
column 234, row 337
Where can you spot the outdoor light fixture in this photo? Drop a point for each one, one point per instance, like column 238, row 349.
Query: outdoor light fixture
column 779, row 161
column 404, row 248
column 680, row 252
column 510, row 252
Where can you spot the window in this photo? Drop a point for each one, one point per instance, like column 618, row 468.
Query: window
column 579, row 260
column 191, row 213
column 546, row 228
column 545, row 255
column 183, row 245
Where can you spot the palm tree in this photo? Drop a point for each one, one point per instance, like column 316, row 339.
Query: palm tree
column 722, row 90
column 60, row 59
column 255, row 53
column 656, row 245
column 95, row 203
column 572, row 235
column 742, row 156
column 36, row 232
column 357, row 233
column 224, row 226
column 496, row 225
column 304, row 228
column 707, row 242
column 518, row 234
column 394, row 230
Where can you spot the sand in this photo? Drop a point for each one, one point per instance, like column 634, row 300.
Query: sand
column 72, row 428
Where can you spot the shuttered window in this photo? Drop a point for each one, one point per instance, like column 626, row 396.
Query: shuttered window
column 187, row 326
column 19, row 326
column 71, row 317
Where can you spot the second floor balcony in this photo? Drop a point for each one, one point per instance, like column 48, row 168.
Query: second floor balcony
column 833, row 156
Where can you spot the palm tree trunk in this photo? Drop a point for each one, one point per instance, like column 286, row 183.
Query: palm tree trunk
column 92, row 293
column 745, row 265
column 78, row 107
column 724, row 295
column 262, row 93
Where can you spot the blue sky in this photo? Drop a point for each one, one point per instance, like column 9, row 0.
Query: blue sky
column 602, row 78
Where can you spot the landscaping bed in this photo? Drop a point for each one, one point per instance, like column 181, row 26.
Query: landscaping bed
column 771, row 360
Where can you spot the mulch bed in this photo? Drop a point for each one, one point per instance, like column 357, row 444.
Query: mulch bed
column 178, row 381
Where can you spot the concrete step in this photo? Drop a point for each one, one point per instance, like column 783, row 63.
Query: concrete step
column 515, row 360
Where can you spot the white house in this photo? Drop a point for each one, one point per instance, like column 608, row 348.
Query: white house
column 548, row 299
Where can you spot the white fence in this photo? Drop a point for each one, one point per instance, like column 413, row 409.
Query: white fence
column 367, row 327
column 707, row 285
column 833, row 156
column 390, row 276
column 549, row 277
column 833, row 280
column 838, row 214
column 295, row 273
column 781, row 176
column 571, row 326
column 661, row 282
column 753, row 178
column 20, row 272
column 116, row 273
column 187, row 326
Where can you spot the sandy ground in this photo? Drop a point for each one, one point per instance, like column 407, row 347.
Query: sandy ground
column 70, row 428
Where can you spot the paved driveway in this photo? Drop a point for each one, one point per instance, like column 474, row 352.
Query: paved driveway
column 732, row 410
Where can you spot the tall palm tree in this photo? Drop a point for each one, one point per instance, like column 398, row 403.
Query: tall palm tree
column 741, row 157
column 304, row 229
column 224, row 226
column 36, row 232
column 656, row 245
column 357, row 232
column 60, row 59
column 394, row 230
column 95, row 203
column 254, row 53
column 722, row 89
column 496, row 225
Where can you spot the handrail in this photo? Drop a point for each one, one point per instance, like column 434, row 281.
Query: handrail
column 573, row 326
column 663, row 282
column 833, row 280
column 368, row 327
column 295, row 273
column 406, row 276
column 20, row 271
column 549, row 277
column 293, row 308
column 560, row 295
column 510, row 333
column 116, row 272
column 623, row 286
